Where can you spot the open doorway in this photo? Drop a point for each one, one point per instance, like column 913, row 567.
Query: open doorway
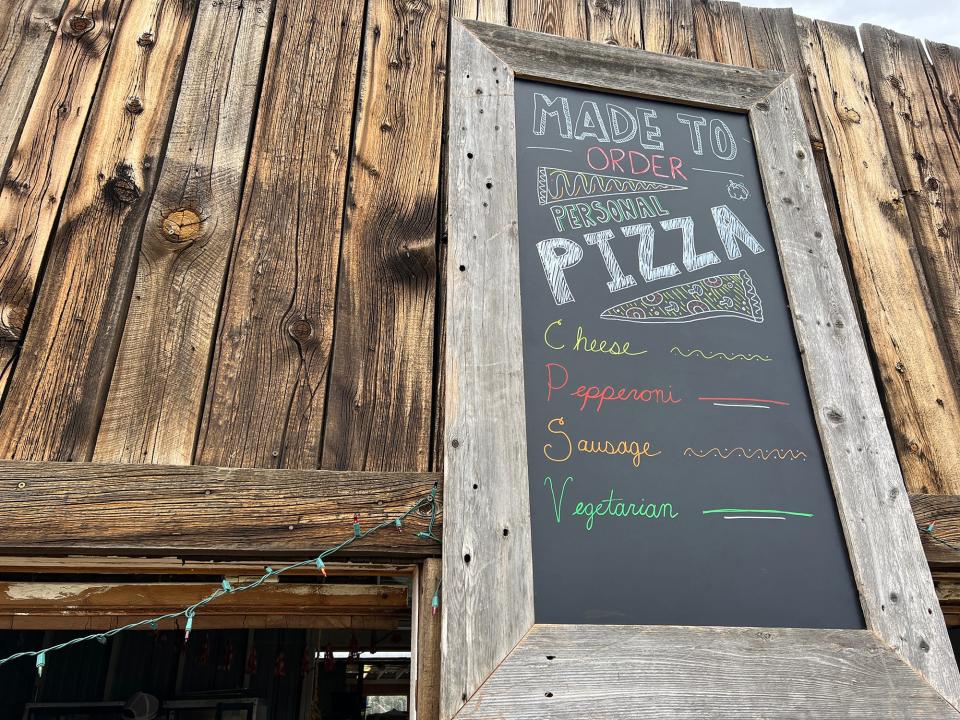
column 306, row 648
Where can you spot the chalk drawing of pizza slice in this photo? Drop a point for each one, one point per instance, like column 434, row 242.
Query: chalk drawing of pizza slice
column 556, row 185
column 718, row 296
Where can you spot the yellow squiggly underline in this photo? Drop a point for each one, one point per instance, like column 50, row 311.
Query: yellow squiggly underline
column 725, row 356
column 752, row 454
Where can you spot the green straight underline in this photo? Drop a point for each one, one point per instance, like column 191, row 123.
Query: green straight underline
column 771, row 512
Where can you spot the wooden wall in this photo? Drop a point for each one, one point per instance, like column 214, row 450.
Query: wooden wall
column 222, row 228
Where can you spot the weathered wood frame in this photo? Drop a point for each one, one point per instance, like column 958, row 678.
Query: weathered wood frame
column 496, row 662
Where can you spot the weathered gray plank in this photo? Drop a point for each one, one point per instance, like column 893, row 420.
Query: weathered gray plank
column 571, row 672
column 156, row 394
column 184, row 509
column 27, row 29
column 896, row 591
column 486, row 559
column 626, row 70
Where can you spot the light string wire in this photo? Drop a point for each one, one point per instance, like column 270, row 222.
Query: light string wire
column 929, row 530
column 227, row 589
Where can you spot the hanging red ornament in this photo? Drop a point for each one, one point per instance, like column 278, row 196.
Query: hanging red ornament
column 328, row 659
column 280, row 666
column 228, row 656
column 252, row 662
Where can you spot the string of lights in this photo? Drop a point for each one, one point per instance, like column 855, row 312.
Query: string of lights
column 227, row 589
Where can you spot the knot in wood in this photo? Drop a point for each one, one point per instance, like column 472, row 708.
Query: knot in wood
column 181, row 226
column 134, row 105
column 146, row 40
column 300, row 330
column 850, row 115
column 12, row 320
column 122, row 187
column 78, row 25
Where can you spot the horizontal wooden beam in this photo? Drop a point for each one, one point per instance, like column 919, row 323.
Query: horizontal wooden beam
column 96, row 623
column 152, row 599
column 111, row 565
column 941, row 544
column 569, row 672
column 85, row 508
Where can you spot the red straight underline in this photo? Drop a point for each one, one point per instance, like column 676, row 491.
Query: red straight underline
column 738, row 399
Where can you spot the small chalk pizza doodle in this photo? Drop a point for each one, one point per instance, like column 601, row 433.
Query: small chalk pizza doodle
column 718, row 296
column 555, row 185
column 737, row 191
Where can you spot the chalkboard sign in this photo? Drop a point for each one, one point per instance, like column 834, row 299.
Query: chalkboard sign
column 676, row 473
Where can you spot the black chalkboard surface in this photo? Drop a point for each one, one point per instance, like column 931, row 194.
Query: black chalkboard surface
column 676, row 474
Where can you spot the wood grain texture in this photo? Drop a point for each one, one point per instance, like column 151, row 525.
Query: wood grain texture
column 428, row 642
column 606, row 67
column 151, row 599
column 156, row 509
column 488, row 581
column 896, row 592
column 923, row 409
column 775, row 45
column 492, row 11
column 56, row 393
column 155, row 400
column 615, row 22
column 570, row 672
column 720, row 33
column 943, row 512
column 90, row 623
column 668, row 27
column 381, row 385
column 946, row 66
column 27, row 29
column 40, row 163
column 926, row 154
column 779, row 41
column 556, row 17
column 265, row 396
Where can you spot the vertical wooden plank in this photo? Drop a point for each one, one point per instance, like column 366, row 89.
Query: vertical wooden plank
column 774, row 45
column 27, row 29
column 56, row 394
column 719, row 31
column 668, row 27
column 923, row 409
column 615, row 22
column 267, row 386
column 40, row 164
column 896, row 592
column 491, row 11
column 946, row 65
column 485, row 483
column 428, row 642
column 777, row 43
column 381, row 387
column 557, row 17
column 926, row 155
column 153, row 407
